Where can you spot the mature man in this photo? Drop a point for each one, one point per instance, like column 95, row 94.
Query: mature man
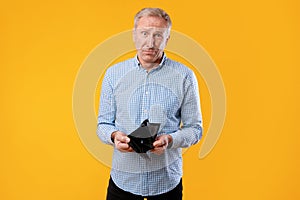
column 154, row 87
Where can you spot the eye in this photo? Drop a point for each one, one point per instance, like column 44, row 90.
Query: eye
column 144, row 33
column 158, row 35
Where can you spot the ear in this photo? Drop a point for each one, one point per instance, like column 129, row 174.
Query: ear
column 167, row 40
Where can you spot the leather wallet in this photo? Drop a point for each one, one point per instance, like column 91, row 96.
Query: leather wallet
column 141, row 140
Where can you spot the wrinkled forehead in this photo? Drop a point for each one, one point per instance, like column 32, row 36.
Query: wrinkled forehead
column 151, row 21
column 151, row 29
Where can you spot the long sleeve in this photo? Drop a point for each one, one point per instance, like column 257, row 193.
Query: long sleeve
column 107, row 112
column 191, row 117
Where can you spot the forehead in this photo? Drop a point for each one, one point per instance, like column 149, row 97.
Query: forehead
column 151, row 21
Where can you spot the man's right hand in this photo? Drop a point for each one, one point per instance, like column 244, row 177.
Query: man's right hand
column 121, row 141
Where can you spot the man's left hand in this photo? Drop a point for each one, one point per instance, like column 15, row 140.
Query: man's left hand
column 161, row 144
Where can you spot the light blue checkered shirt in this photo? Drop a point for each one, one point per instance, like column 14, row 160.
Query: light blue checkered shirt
column 167, row 95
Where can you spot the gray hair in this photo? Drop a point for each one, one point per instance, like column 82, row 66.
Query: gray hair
column 157, row 12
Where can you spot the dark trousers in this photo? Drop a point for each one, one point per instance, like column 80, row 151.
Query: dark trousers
column 115, row 193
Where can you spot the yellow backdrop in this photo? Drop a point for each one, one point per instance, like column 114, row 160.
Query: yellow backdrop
column 255, row 45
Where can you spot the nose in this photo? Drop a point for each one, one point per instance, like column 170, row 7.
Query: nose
column 150, row 42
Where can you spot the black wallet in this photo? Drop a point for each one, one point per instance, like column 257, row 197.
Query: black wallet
column 141, row 140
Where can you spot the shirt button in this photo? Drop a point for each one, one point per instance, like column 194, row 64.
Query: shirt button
column 145, row 111
column 147, row 92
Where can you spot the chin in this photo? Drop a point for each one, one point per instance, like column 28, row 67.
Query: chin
column 149, row 59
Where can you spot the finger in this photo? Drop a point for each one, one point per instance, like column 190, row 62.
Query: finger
column 123, row 139
column 126, row 150
column 160, row 143
column 130, row 149
column 123, row 146
column 161, row 148
column 158, row 150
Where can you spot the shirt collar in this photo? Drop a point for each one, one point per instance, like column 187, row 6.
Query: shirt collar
column 164, row 58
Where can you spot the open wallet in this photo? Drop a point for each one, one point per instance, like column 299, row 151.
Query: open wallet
column 141, row 140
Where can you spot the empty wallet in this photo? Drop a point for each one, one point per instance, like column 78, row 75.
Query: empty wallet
column 141, row 140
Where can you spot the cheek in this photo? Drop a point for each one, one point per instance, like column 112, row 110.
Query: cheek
column 139, row 42
column 160, row 44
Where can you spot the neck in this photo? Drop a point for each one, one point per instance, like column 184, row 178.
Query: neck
column 149, row 66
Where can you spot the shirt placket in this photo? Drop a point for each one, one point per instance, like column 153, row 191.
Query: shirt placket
column 145, row 108
column 146, row 99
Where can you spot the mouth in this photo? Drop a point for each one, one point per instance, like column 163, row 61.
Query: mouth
column 149, row 51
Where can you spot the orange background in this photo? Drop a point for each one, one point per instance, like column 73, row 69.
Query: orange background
column 255, row 45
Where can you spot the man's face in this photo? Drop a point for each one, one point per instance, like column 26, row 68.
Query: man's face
column 150, row 37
